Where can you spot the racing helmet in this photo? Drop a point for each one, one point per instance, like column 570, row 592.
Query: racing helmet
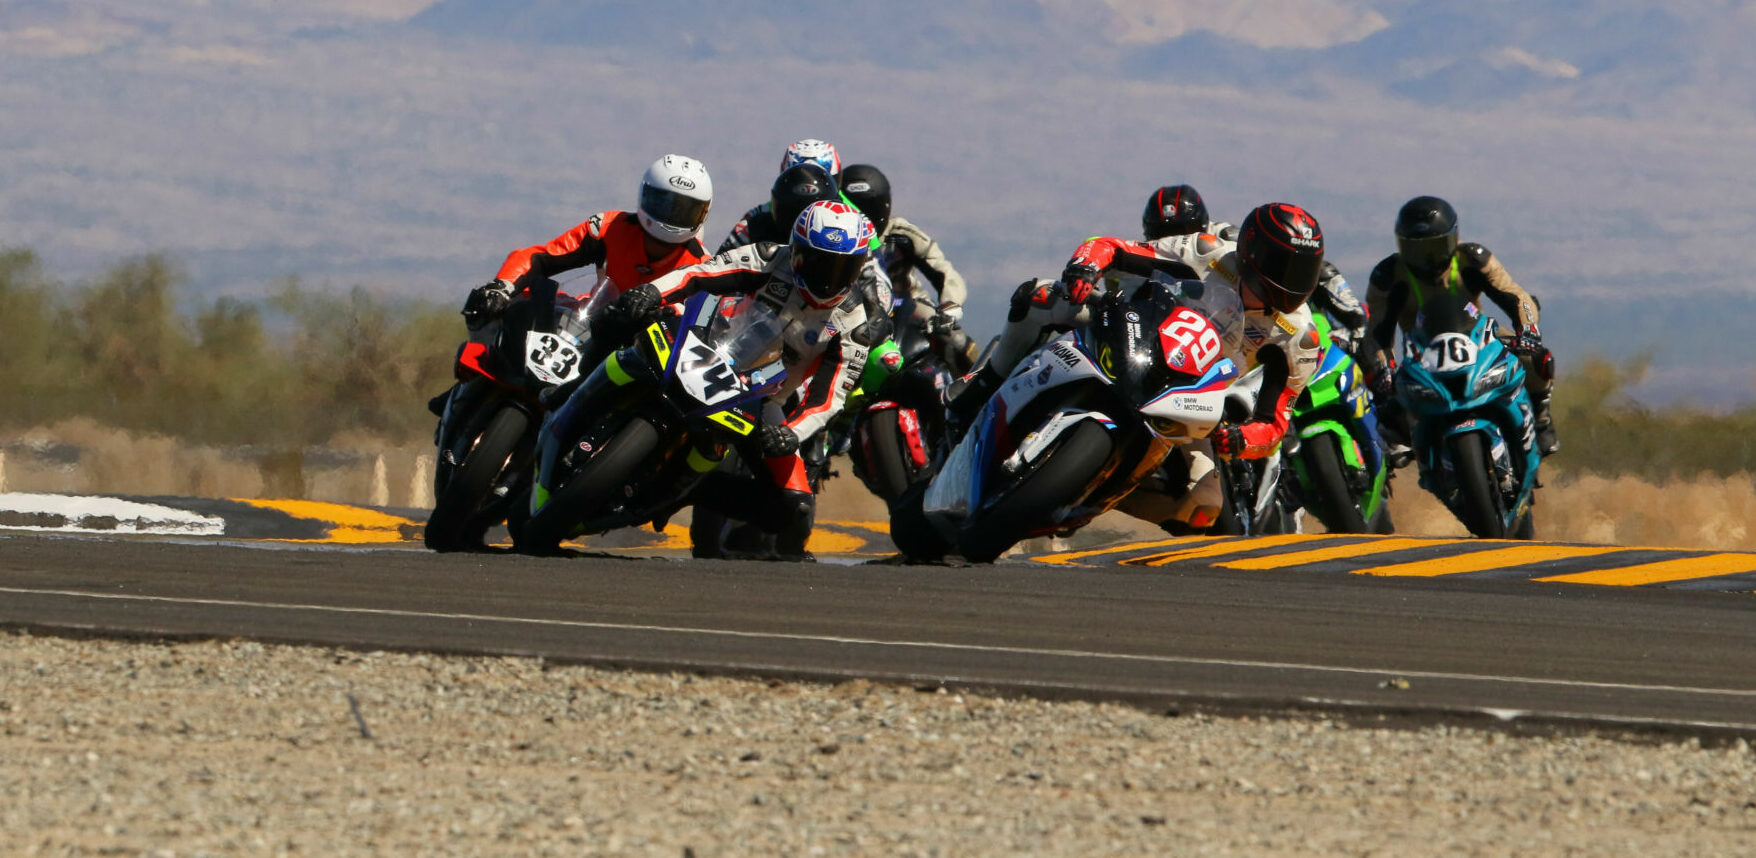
column 869, row 190
column 795, row 188
column 829, row 248
column 812, row 149
column 1280, row 252
column 675, row 194
column 1174, row 210
column 1426, row 236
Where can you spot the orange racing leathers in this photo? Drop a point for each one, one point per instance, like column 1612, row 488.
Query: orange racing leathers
column 613, row 241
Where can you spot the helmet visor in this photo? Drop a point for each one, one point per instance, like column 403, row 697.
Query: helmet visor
column 826, row 275
column 1426, row 257
column 671, row 208
column 1286, row 283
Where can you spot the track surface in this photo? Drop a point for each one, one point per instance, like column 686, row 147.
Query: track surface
column 1188, row 634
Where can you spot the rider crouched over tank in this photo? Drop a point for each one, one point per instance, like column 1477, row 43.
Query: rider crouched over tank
column 1430, row 263
column 1272, row 268
column 833, row 302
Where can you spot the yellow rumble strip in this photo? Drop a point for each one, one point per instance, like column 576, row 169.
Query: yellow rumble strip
column 1663, row 571
column 1071, row 556
column 349, row 524
column 1230, row 546
column 1481, row 561
column 1340, row 552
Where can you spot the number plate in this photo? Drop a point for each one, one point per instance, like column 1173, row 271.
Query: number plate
column 551, row 357
column 1449, row 353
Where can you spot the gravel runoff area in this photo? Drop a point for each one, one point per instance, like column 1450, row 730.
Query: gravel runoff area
column 239, row 748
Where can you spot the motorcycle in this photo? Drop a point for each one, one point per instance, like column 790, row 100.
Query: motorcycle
column 1337, row 456
column 1077, row 424
column 1254, row 496
column 488, row 424
column 899, row 424
column 1474, row 430
column 633, row 440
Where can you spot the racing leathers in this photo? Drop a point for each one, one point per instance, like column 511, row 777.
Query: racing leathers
column 1285, row 345
column 906, row 249
column 824, row 354
column 1335, row 298
column 1394, row 300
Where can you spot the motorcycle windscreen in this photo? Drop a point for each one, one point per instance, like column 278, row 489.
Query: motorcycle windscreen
column 747, row 332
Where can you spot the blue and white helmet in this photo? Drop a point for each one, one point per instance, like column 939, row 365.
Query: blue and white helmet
column 812, row 149
column 829, row 245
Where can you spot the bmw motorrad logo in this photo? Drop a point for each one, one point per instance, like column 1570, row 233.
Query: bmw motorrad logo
column 681, row 182
column 1132, row 316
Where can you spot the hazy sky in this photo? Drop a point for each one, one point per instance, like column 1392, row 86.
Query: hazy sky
column 1601, row 150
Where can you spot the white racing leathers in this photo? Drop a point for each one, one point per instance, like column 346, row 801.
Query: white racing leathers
column 1285, row 345
column 826, row 344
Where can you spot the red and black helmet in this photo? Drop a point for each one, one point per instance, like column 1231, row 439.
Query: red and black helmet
column 1173, row 210
column 1280, row 253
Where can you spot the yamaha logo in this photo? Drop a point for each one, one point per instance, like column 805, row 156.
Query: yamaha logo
column 681, row 182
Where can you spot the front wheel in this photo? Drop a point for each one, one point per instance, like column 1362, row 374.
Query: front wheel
column 1326, row 472
column 1478, row 500
column 594, row 486
column 467, row 506
column 888, row 469
column 1029, row 505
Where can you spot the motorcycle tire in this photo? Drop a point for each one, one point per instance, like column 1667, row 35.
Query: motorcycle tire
column 465, row 509
column 915, row 537
column 1337, row 508
column 1477, row 497
column 1056, row 482
column 600, row 477
column 888, row 474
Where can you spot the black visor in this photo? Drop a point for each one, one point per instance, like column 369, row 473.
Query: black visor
column 824, row 274
column 671, row 208
column 1426, row 257
column 1287, row 285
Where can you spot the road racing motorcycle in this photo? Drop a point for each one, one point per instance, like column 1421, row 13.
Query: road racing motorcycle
column 1335, row 451
column 488, row 423
column 1474, row 431
column 633, row 440
column 1077, row 424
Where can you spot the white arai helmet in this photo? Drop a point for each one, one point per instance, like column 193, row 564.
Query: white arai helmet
column 675, row 195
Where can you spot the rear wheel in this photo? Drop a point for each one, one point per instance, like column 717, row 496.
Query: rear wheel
column 590, row 488
column 467, row 506
column 888, row 474
column 1478, row 501
column 1337, row 507
column 1058, row 481
column 916, row 538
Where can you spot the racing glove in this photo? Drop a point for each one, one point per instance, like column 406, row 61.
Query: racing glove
column 1081, row 281
column 1529, row 342
column 486, row 302
column 950, row 315
column 628, row 313
column 1228, row 442
column 776, row 440
column 1382, row 385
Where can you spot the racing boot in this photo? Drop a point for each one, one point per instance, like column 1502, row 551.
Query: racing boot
column 966, row 398
column 798, row 514
column 1547, row 442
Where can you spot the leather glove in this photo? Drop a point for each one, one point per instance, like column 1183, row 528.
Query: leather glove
column 950, row 315
column 486, row 302
column 1382, row 385
column 1228, row 442
column 1080, row 280
column 776, row 440
column 1528, row 342
column 628, row 313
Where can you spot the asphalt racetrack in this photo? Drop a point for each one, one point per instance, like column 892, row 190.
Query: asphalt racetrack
column 1525, row 635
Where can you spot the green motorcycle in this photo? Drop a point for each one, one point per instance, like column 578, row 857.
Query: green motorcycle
column 1340, row 469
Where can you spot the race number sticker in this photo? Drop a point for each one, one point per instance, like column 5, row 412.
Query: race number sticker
column 1191, row 331
column 1448, row 353
column 550, row 357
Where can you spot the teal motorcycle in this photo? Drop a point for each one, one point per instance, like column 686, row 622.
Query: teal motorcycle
column 1474, row 433
column 1341, row 474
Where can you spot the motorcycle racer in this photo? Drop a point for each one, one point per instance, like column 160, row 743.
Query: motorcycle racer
column 1336, row 299
column 834, row 304
column 1430, row 262
column 761, row 223
column 795, row 188
column 1272, row 268
column 905, row 248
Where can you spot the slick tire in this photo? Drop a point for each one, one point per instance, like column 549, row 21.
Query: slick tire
column 585, row 491
column 1337, row 508
column 915, row 537
column 888, row 473
column 1477, row 497
column 1060, row 480
column 467, row 507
